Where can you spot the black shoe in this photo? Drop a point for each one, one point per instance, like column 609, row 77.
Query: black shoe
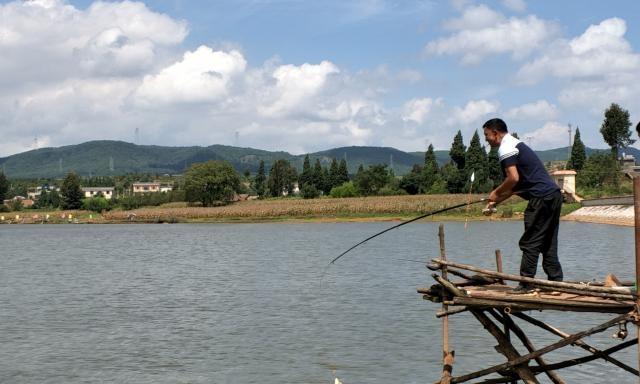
column 523, row 288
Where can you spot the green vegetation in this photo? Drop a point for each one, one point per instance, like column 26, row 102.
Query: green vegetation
column 71, row 192
column 4, row 186
column 211, row 183
column 578, row 154
column 615, row 128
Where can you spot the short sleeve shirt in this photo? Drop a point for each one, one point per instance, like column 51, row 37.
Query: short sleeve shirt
column 534, row 178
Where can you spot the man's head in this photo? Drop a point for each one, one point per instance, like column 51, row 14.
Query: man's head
column 638, row 128
column 494, row 131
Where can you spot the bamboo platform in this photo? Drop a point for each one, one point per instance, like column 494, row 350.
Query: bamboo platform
column 461, row 288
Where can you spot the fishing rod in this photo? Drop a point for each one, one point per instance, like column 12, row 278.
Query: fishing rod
column 407, row 222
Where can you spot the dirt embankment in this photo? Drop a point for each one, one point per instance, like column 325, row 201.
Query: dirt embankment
column 604, row 214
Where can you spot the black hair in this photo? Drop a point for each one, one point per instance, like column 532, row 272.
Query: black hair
column 638, row 128
column 497, row 124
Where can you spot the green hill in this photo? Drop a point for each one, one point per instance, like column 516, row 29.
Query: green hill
column 104, row 158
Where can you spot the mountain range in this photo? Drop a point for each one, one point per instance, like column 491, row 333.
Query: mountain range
column 106, row 158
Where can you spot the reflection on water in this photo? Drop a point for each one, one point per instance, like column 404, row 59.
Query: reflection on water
column 255, row 303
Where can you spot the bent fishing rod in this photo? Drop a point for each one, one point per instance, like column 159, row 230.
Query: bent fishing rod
column 407, row 222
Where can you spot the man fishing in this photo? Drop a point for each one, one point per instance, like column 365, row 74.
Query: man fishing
column 526, row 177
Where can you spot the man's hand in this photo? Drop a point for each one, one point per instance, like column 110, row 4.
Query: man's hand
column 489, row 209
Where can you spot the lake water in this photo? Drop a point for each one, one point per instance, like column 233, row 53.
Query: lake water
column 255, row 303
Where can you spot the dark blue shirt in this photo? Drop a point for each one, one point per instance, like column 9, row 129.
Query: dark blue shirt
column 534, row 178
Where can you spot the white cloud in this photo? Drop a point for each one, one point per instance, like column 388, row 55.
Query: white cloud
column 551, row 135
column 475, row 17
column 473, row 112
column 515, row 5
column 418, row 110
column 120, row 38
column 597, row 68
column 601, row 50
column 294, row 87
column 202, row 76
column 538, row 110
column 481, row 32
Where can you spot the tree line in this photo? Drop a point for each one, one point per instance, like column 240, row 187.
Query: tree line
column 470, row 169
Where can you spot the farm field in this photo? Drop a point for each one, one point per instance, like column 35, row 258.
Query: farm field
column 270, row 210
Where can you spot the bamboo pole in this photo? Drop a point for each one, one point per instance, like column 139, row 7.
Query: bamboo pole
column 499, row 269
column 552, row 347
column 532, row 303
column 509, row 324
column 450, row 312
column 546, row 283
column 588, row 358
column 447, row 355
column 579, row 343
column 506, row 348
column 636, row 211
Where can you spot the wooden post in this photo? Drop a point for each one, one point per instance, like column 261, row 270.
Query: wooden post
column 447, row 355
column 636, row 211
column 507, row 333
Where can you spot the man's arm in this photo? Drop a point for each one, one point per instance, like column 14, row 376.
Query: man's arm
column 505, row 190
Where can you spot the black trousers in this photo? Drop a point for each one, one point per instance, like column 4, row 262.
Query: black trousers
column 541, row 222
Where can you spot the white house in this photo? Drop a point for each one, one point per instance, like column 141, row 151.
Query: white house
column 146, row 187
column 107, row 192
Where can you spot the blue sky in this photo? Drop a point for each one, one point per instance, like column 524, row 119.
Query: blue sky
column 304, row 76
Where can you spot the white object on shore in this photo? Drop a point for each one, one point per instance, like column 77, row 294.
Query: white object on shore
column 337, row 381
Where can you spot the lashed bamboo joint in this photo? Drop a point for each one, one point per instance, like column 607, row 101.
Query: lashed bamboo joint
column 495, row 305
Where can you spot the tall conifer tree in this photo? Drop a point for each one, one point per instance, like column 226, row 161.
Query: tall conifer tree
column 578, row 154
column 475, row 163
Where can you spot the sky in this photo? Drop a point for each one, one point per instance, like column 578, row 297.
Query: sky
column 304, row 76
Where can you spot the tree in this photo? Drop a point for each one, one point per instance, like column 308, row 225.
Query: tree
column 413, row 181
column 494, row 169
column 334, row 177
column 281, row 178
column 431, row 169
column 210, row 183
column 475, row 163
column 306, row 177
column 71, row 192
column 48, row 199
column 458, row 151
column 259, row 182
column 343, row 172
column 451, row 175
column 4, row 187
column 318, row 175
column 597, row 171
column 578, row 155
column 615, row 128
column 371, row 181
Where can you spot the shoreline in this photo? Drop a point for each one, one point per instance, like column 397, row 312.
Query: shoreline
column 326, row 210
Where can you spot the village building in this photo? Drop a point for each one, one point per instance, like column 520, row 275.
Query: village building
column 106, row 192
column 34, row 193
column 566, row 180
column 146, row 187
column 151, row 187
column 25, row 201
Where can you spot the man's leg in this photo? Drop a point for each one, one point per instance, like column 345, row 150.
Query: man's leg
column 532, row 239
column 550, row 262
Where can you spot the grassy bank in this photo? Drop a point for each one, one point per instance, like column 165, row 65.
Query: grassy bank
column 288, row 209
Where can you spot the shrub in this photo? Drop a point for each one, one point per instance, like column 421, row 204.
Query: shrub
column 96, row 204
column 309, row 191
column 347, row 189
